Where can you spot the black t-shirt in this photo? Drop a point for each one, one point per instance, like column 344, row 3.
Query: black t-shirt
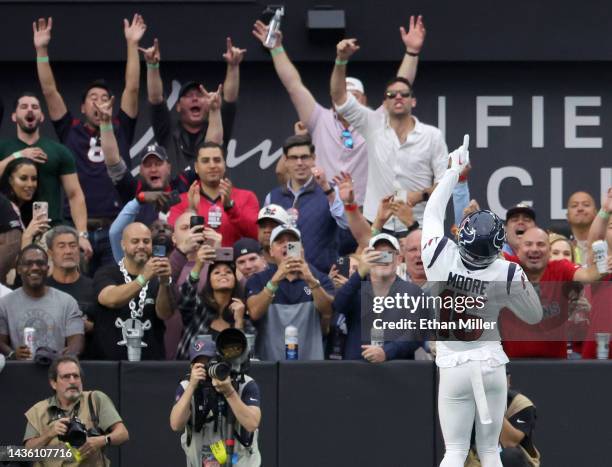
column 107, row 334
column 81, row 290
column 9, row 218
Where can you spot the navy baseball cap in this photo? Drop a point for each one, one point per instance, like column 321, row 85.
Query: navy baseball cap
column 202, row 348
column 244, row 246
column 154, row 150
column 188, row 86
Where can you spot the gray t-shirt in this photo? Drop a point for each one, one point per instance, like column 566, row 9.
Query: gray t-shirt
column 54, row 316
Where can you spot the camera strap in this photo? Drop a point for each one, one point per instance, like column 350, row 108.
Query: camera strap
column 92, row 411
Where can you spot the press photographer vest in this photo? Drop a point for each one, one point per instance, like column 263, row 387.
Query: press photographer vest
column 247, row 456
column 40, row 417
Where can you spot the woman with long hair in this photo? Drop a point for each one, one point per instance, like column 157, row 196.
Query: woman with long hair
column 216, row 308
column 18, row 190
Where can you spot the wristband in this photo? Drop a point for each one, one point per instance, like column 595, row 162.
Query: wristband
column 375, row 231
column 17, row 154
column 108, row 440
column 153, row 66
column 350, row 207
column 141, row 280
column 271, row 287
column 140, row 197
column 195, row 276
column 341, row 62
column 605, row 215
column 106, row 127
column 277, row 51
column 411, row 54
column 42, row 59
column 414, row 226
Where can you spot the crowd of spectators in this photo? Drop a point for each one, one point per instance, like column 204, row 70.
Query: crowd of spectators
column 178, row 251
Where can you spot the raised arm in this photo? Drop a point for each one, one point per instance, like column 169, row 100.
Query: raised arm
column 413, row 41
column 133, row 33
column 344, row 50
column 433, row 217
column 214, row 132
column 357, row 224
column 600, row 224
column 108, row 142
column 42, row 37
column 302, row 99
column 155, row 87
column 231, row 86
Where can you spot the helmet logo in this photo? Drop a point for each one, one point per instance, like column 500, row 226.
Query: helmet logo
column 498, row 241
column 468, row 235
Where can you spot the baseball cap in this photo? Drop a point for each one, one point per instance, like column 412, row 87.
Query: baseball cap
column 521, row 208
column 354, row 84
column 202, row 348
column 281, row 229
column 244, row 246
column 154, row 150
column 274, row 212
column 386, row 238
column 98, row 83
column 188, row 86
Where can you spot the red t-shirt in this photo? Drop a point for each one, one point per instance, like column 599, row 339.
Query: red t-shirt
column 547, row 335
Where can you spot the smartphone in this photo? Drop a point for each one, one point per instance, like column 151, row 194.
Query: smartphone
column 40, row 207
column 196, row 221
column 386, row 257
column 174, row 198
column 294, row 249
column 224, row 254
column 343, row 265
column 159, row 251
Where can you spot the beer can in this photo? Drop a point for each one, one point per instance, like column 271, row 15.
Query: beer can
column 29, row 336
column 603, row 345
column 600, row 256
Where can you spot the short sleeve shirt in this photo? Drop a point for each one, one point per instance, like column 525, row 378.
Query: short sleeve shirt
column 60, row 162
column 100, row 195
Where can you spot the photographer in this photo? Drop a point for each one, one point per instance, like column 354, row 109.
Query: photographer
column 205, row 428
column 87, row 420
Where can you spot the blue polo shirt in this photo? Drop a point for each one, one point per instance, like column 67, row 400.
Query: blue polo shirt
column 292, row 305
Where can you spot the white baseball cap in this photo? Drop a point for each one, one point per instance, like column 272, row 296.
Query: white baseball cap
column 274, row 212
column 354, row 84
column 384, row 237
column 281, row 229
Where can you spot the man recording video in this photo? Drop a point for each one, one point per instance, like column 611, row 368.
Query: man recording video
column 226, row 403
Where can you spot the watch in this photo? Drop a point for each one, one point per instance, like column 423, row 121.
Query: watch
column 108, row 440
column 230, row 205
column 425, row 196
column 330, row 191
column 84, row 234
column 316, row 285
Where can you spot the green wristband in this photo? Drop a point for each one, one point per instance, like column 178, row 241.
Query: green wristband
column 276, row 51
column 17, row 154
column 106, row 127
column 141, row 280
column 605, row 215
column 341, row 62
column 271, row 287
column 153, row 65
column 42, row 59
column 375, row 231
column 194, row 275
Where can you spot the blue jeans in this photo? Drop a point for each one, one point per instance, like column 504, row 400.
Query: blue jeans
column 102, row 252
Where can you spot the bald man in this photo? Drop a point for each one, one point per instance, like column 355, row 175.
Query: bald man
column 551, row 279
column 134, row 297
column 581, row 212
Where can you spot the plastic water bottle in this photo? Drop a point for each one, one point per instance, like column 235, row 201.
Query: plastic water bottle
column 291, row 343
column 377, row 337
column 273, row 28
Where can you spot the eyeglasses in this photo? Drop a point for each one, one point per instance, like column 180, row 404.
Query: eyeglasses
column 41, row 263
column 303, row 157
column 67, row 376
column 347, row 139
column 392, row 94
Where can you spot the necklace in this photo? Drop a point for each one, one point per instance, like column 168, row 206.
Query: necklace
column 135, row 313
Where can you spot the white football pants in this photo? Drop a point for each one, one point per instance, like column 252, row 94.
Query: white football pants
column 457, row 410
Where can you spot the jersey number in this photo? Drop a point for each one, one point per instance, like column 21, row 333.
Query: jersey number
column 448, row 315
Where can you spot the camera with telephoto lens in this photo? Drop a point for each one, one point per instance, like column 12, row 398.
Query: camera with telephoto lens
column 218, row 369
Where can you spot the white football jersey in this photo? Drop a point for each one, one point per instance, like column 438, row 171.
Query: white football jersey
column 473, row 332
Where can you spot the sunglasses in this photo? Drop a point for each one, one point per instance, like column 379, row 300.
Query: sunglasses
column 347, row 139
column 392, row 94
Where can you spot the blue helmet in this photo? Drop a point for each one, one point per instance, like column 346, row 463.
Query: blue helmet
column 481, row 238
